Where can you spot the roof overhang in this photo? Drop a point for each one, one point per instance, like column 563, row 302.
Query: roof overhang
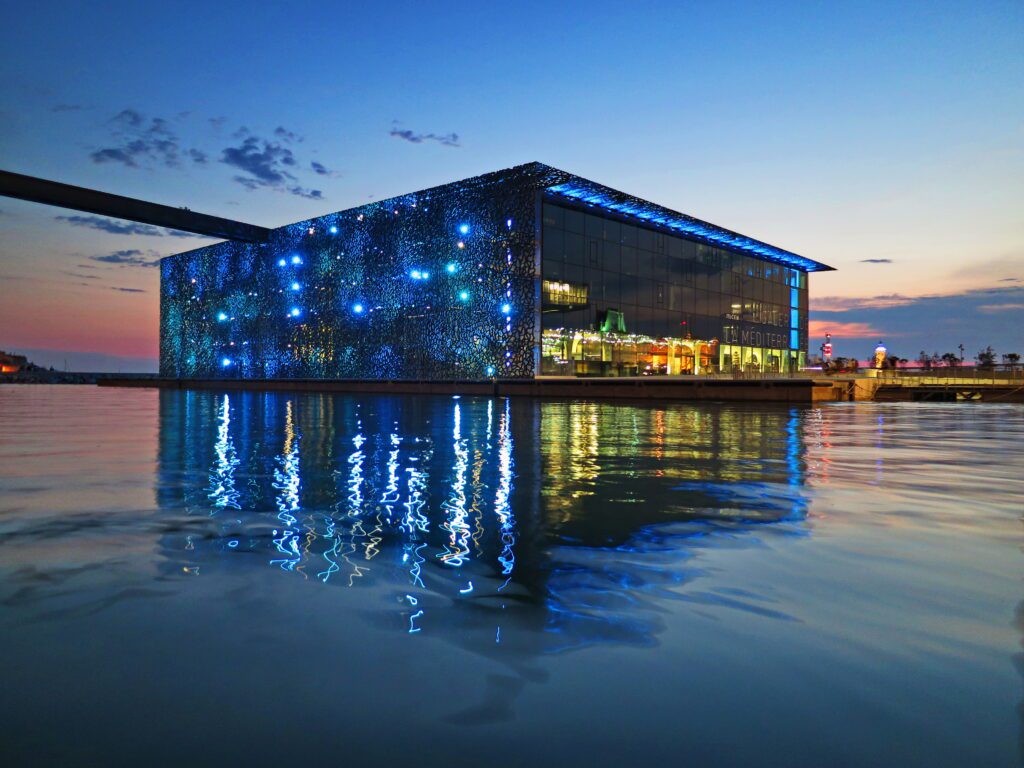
column 587, row 193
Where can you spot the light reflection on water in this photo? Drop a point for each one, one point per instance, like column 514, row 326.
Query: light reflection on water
column 517, row 512
column 866, row 555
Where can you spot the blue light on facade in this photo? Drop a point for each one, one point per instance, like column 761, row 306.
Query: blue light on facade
column 296, row 259
column 222, row 316
column 295, row 312
column 490, row 370
column 296, row 286
column 333, row 230
column 451, row 269
column 463, row 295
column 282, row 263
column 464, row 229
column 594, row 195
column 226, row 362
column 506, row 309
column 357, row 308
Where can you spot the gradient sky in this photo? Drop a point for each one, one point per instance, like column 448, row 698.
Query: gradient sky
column 885, row 139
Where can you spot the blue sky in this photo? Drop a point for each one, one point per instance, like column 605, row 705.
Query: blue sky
column 886, row 141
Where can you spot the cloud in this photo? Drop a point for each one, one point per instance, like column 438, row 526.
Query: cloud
column 285, row 135
column 876, row 261
column 79, row 275
column 322, row 170
column 1011, row 307
column 131, row 257
column 974, row 318
column 267, row 165
column 447, row 139
column 262, row 160
column 844, row 303
column 309, row 194
column 1001, row 280
column 128, row 290
column 66, row 108
column 123, row 227
column 111, row 226
column 844, row 330
column 138, row 140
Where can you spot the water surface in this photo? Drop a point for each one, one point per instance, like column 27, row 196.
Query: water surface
column 201, row 578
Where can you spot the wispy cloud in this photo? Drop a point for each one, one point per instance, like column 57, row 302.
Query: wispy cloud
column 80, row 275
column 447, row 139
column 1009, row 307
column 322, row 170
column 123, row 227
column 876, row 261
column 975, row 318
column 845, row 303
column 128, row 290
column 289, row 136
column 843, row 330
column 131, row 257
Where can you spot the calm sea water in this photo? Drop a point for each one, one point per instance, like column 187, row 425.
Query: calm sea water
column 193, row 578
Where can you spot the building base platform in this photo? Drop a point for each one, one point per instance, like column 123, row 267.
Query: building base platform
column 639, row 388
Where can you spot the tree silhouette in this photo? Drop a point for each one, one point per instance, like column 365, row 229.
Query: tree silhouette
column 986, row 358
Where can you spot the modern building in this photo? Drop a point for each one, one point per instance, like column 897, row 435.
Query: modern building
column 520, row 273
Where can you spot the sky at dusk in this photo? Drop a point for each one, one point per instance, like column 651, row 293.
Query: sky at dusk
column 886, row 140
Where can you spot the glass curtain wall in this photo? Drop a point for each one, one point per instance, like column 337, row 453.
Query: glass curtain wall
column 620, row 300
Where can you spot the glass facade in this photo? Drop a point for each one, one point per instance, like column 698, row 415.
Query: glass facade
column 620, row 299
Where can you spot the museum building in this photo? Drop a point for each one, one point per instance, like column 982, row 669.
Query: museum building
column 520, row 273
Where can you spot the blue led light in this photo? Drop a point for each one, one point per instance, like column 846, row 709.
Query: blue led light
column 463, row 295
column 464, row 229
column 222, row 316
column 357, row 308
column 602, row 197
column 451, row 269
column 426, row 275
column 296, row 259
column 226, row 362
column 333, row 230
column 506, row 309
column 296, row 286
column 295, row 312
column 416, row 274
column 281, row 263
column 490, row 370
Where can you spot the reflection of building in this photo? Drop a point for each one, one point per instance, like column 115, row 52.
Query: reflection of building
column 524, row 272
column 435, row 492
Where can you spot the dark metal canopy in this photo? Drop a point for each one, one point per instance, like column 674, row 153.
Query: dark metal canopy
column 118, row 207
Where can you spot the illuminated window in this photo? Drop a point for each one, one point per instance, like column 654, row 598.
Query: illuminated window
column 558, row 293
